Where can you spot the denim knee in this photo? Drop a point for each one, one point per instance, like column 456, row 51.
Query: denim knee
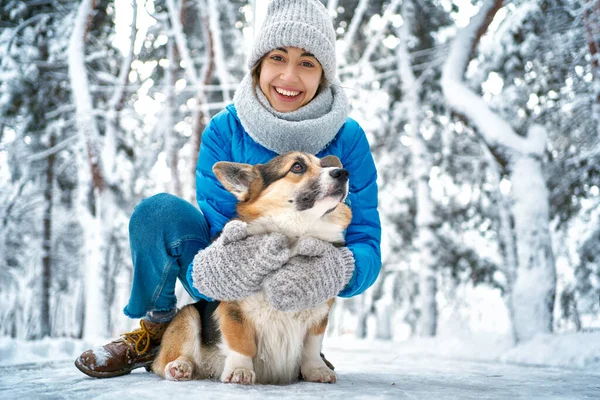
column 166, row 220
column 150, row 211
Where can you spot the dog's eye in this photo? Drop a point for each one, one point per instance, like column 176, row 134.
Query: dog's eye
column 297, row 168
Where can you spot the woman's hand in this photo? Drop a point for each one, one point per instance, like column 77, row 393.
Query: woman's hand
column 318, row 273
column 235, row 265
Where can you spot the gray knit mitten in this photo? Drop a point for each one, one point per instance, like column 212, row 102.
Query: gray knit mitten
column 319, row 272
column 235, row 265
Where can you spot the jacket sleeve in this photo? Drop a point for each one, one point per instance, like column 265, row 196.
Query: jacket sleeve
column 363, row 236
column 215, row 202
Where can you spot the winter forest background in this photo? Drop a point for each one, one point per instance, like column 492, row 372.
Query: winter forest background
column 483, row 118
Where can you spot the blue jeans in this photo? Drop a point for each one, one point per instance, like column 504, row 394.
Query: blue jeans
column 165, row 233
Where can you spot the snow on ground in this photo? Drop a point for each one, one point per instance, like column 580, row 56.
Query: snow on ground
column 422, row 369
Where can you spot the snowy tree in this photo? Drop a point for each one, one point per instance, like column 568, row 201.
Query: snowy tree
column 34, row 110
column 532, row 284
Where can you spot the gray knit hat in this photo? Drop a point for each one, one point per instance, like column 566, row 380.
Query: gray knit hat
column 297, row 23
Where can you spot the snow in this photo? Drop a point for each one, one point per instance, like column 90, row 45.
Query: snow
column 101, row 355
column 574, row 350
column 426, row 368
column 14, row 351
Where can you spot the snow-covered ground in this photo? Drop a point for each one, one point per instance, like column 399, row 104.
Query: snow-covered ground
column 550, row 367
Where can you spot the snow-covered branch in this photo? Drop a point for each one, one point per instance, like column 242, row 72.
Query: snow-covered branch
column 357, row 17
column 332, row 8
column 376, row 39
column 22, row 25
column 494, row 129
column 180, row 40
column 217, row 46
column 52, row 150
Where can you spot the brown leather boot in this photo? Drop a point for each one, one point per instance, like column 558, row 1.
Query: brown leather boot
column 133, row 350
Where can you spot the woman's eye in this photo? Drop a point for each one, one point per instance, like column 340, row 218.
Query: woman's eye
column 307, row 64
column 276, row 58
column 297, row 168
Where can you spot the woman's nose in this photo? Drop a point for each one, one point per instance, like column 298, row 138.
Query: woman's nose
column 289, row 73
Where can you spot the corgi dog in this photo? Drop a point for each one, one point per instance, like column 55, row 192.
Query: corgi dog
column 249, row 341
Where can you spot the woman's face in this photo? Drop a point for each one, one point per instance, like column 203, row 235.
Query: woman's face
column 289, row 78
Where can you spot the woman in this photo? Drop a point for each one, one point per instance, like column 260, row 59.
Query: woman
column 288, row 101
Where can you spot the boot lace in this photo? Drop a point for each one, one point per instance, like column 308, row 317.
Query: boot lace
column 138, row 338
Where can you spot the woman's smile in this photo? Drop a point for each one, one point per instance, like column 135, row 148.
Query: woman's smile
column 288, row 95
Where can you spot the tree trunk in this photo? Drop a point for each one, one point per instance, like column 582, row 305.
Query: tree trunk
column 363, row 308
column 171, row 140
column 385, row 309
column 90, row 183
column 591, row 18
column 506, row 239
column 201, row 112
column 421, row 166
column 47, row 243
column 534, row 289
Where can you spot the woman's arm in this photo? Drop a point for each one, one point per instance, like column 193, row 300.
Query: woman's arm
column 363, row 236
column 216, row 203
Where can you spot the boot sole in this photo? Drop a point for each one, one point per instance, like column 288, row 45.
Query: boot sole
column 111, row 374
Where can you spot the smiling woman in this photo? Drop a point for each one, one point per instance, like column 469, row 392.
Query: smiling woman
column 289, row 77
column 289, row 100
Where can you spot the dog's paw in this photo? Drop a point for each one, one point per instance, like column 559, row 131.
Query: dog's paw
column 320, row 374
column 243, row 376
column 179, row 370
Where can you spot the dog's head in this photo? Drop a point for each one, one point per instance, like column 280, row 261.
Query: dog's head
column 294, row 185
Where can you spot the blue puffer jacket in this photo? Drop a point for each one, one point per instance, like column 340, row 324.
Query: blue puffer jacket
column 224, row 139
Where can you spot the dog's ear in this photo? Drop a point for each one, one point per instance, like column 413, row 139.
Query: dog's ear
column 331, row 161
column 235, row 177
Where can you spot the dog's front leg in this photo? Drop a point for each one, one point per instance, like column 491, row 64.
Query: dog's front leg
column 180, row 347
column 312, row 366
column 238, row 369
column 239, row 338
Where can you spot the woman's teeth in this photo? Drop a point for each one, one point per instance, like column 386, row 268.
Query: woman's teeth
column 288, row 93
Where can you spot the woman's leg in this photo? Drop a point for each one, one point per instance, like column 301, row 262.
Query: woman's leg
column 165, row 233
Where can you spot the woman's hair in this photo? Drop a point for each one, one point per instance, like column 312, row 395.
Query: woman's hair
column 255, row 72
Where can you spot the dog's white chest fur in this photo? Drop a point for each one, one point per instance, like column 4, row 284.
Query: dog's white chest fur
column 296, row 225
column 280, row 338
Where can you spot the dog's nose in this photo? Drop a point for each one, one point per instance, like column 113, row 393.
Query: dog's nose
column 339, row 173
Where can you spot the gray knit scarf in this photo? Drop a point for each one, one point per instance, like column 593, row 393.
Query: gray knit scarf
column 309, row 129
